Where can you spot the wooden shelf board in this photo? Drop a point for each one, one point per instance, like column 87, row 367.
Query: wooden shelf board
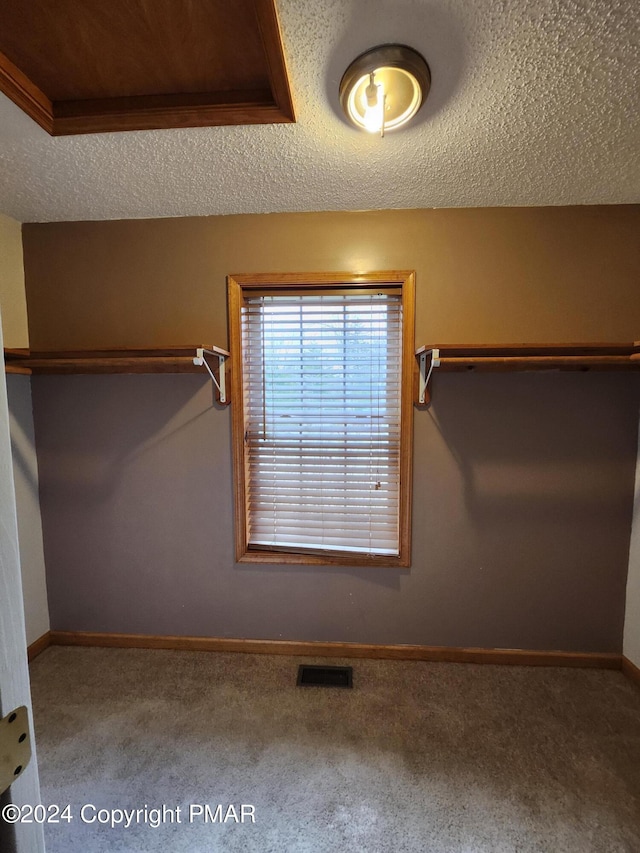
column 113, row 360
column 126, row 352
column 506, row 350
column 112, row 365
column 504, row 357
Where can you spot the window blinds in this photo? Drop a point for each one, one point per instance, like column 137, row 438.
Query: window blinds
column 321, row 384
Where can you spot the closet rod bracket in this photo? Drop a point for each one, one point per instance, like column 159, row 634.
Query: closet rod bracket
column 220, row 382
column 427, row 360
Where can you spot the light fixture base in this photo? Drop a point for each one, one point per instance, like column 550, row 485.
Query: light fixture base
column 403, row 79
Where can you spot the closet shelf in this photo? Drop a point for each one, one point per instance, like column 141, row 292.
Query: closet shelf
column 121, row 360
column 13, row 359
column 521, row 357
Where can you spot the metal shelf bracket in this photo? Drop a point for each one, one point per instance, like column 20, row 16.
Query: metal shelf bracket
column 427, row 360
column 220, row 383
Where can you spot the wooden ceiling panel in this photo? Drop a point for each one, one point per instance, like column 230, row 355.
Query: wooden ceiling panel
column 91, row 66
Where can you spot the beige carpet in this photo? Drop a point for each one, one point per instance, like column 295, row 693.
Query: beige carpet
column 427, row 758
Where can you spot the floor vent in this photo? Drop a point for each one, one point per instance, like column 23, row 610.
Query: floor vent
column 325, row 676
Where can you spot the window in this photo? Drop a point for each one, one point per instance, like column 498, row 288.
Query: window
column 322, row 417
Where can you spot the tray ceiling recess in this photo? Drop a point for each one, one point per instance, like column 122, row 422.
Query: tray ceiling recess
column 97, row 66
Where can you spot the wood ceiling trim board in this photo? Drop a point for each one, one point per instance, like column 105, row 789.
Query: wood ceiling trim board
column 155, row 112
column 142, row 103
column 25, row 94
column 269, row 25
column 170, row 109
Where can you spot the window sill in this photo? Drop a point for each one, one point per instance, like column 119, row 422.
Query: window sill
column 289, row 558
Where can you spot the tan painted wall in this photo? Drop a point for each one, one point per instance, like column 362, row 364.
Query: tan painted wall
column 483, row 275
column 12, row 295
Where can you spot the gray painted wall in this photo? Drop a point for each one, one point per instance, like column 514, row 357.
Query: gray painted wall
column 522, row 515
column 25, row 475
column 25, row 471
column 631, row 646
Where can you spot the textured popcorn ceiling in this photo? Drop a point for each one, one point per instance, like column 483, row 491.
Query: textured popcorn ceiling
column 533, row 102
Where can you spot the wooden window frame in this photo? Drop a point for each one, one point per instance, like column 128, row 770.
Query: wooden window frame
column 238, row 286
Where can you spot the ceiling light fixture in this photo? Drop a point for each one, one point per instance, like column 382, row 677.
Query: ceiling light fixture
column 385, row 87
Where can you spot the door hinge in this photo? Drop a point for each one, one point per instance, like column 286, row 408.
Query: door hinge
column 15, row 746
